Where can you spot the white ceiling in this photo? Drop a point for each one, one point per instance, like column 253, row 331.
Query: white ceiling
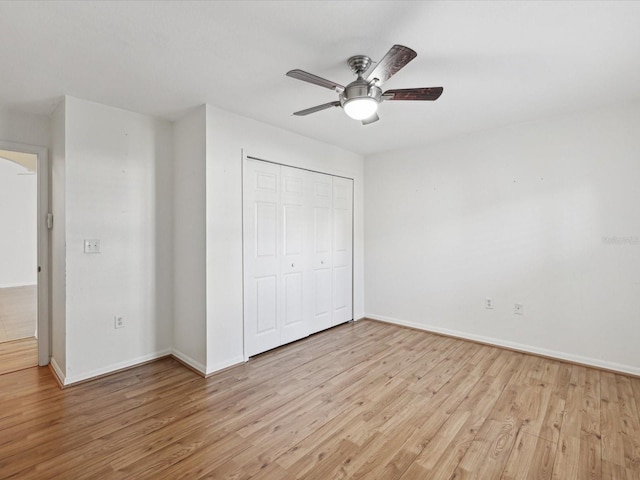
column 499, row 62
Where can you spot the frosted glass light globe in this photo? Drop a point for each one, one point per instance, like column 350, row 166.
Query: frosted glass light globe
column 360, row 108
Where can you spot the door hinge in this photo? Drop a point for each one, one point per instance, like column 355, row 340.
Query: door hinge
column 49, row 220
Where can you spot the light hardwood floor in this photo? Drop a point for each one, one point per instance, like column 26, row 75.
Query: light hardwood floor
column 360, row 401
column 18, row 312
column 18, row 354
column 18, row 317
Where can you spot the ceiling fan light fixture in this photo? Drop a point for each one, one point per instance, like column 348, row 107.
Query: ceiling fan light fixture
column 360, row 108
column 360, row 98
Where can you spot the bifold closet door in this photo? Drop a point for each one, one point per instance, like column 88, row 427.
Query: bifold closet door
column 294, row 263
column 297, row 249
column 321, row 231
column 342, row 294
column 261, row 225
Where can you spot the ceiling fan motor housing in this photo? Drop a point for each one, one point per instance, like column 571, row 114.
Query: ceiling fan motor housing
column 359, row 88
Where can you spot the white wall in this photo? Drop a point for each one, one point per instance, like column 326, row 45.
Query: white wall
column 227, row 136
column 545, row 214
column 117, row 188
column 189, row 254
column 18, row 220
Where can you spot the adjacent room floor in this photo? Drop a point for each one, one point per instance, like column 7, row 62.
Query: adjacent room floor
column 18, row 312
column 18, row 318
column 362, row 400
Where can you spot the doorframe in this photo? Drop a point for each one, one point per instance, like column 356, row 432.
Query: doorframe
column 42, row 175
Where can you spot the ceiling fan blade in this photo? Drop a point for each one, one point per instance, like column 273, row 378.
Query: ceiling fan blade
column 371, row 119
column 396, row 58
column 432, row 93
column 317, row 108
column 316, row 80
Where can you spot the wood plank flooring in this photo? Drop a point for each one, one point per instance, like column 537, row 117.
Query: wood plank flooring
column 360, row 401
column 18, row 354
column 18, row 312
column 18, row 317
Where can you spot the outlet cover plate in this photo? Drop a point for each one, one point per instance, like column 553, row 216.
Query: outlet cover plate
column 92, row 246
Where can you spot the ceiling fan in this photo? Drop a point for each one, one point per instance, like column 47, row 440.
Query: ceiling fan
column 360, row 99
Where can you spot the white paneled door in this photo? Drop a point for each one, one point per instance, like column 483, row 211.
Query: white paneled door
column 294, row 258
column 342, row 250
column 298, row 253
column 261, row 247
column 321, row 198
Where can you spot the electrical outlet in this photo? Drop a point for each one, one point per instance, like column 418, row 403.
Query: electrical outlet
column 118, row 321
column 92, row 246
column 518, row 309
column 488, row 303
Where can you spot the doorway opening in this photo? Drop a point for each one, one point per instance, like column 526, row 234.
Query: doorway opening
column 23, row 244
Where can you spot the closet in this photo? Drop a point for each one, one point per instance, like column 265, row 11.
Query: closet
column 298, row 253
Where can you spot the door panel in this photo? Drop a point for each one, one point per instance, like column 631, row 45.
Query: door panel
column 321, row 254
column 266, row 305
column 293, row 312
column 293, row 222
column 266, row 222
column 342, row 230
column 322, row 299
column 322, row 230
column 295, row 205
column 342, row 250
column 262, row 278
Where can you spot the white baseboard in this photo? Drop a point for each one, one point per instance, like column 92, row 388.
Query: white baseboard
column 113, row 368
column 588, row 361
column 15, row 285
column 58, row 371
column 197, row 366
column 216, row 367
column 209, row 369
column 67, row 381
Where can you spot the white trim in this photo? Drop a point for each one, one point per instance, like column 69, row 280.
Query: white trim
column 44, row 322
column 248, row 156
column 189, row 361
column 113, row 368
column 15, row 285
column 588, row 361
column 58, row 371
column 225, row 364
